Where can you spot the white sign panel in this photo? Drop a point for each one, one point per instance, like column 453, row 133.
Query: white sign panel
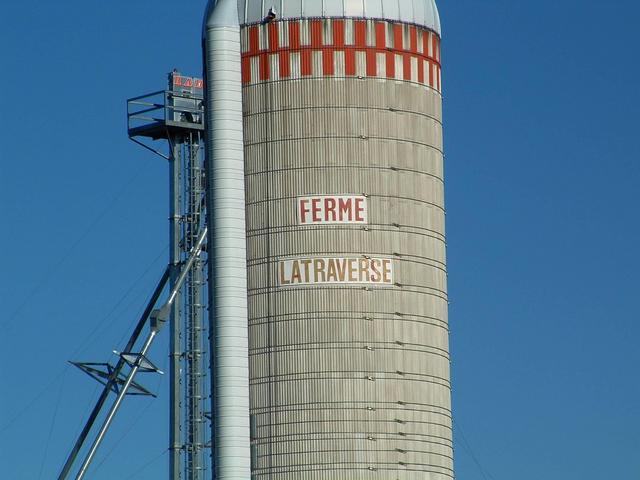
column 316, row 271
column 329, row 209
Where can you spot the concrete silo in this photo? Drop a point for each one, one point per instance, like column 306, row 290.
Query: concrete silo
column 345, row 223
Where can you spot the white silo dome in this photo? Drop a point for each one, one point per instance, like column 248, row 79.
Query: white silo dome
column 419, row 12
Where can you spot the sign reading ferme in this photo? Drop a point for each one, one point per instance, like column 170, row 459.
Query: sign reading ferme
column 332, row 209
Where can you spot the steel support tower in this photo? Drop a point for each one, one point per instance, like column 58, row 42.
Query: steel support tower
column 176, row 116
column 182, row 127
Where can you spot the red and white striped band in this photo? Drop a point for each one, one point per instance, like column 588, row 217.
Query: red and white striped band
column 294, row 49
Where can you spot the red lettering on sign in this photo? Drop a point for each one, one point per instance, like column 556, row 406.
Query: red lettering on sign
column 332, row 209
column 344, row 205
column 360, row 210
column 304, row 209
column 188, row 82
column 315, row 208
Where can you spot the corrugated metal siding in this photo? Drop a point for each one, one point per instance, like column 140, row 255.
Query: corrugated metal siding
column 348, row 381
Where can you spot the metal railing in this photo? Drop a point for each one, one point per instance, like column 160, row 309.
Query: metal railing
column 165, row 108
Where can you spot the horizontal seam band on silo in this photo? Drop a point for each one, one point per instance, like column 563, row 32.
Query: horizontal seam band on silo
column 415, row 289
column 347, row 376
column 380, row 407
column 257, row 173
column 256, row 352
column 355, row 466
column 351, row 405
column 352, row 437
column 316, row 449
column 378, row 227
column 356, row 48
column 417, row 319
column 291, row 318
column 351, row 345
column 319, row 422
column 342, row 137
column 337, row 106
column 346, row 435
column 316, row 428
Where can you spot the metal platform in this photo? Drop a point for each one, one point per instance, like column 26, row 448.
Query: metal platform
column 163, row 114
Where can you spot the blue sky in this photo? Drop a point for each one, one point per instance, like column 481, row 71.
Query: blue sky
column 543, row 173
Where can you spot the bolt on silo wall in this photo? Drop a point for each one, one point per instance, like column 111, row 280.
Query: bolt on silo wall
column 349, row 354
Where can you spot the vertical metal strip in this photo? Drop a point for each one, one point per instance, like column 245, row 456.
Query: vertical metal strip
column 175, row 324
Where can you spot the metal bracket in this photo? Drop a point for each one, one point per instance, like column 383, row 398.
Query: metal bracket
column 103, row 371
column 143, row 363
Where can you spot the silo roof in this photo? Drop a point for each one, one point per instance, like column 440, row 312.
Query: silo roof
column 419, row 12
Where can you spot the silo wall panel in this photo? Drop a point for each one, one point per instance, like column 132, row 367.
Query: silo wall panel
column 348, row 379
column 338, row 332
